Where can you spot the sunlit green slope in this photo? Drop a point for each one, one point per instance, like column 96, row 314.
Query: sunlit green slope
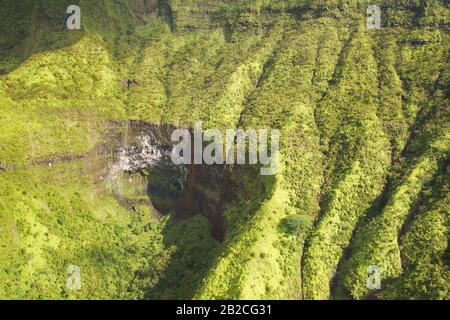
column 364, row 149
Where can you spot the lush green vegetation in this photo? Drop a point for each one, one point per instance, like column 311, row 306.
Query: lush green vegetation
column 56, row 217
column 364, row 151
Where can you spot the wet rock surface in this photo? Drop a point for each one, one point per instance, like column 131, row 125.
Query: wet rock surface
column 186, row 190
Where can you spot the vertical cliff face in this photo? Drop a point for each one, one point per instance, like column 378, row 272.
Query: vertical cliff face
column 86, row 177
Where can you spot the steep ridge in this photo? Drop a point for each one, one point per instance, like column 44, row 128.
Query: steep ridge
column 363, row 159
column 295, row 190
column 356, row 172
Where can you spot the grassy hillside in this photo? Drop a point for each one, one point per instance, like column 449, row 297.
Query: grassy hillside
column 363, row 178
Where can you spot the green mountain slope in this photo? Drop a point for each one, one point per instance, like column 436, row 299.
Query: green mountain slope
column 364, row 149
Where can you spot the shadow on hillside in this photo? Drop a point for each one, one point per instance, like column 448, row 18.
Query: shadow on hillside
column 31, row 27
column 196, row 249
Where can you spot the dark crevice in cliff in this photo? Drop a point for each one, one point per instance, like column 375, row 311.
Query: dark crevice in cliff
column 207, row 190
